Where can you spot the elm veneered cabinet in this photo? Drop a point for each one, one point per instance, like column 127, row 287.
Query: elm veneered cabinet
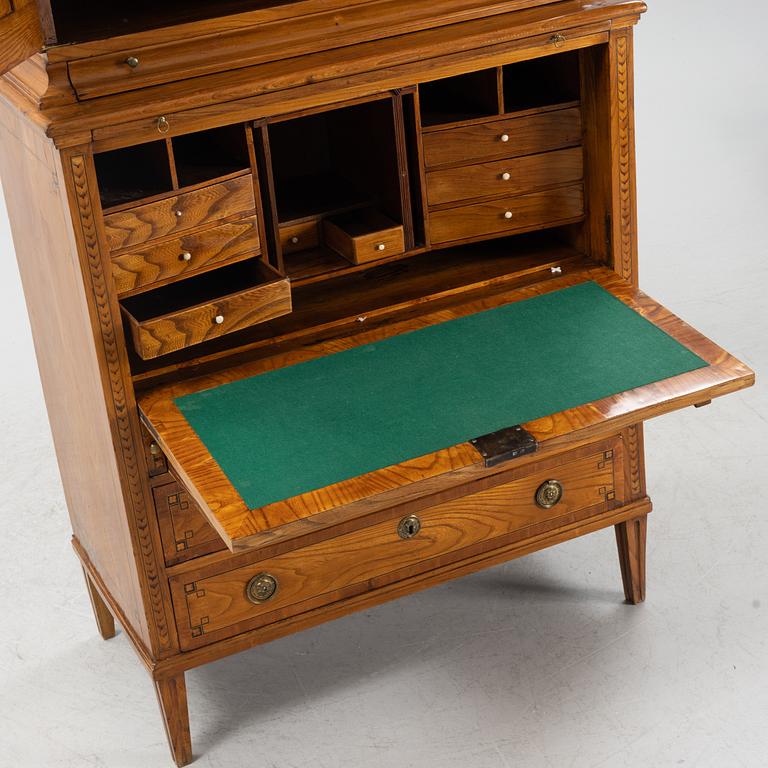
column 216, row 206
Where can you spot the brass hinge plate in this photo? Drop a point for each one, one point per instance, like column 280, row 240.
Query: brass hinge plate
column 505, row 445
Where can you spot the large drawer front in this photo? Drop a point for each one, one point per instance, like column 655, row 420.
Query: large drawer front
column 505, row 177
column 212, row 605
column 508, row 137
column 185, row 255
column 507, row 215
column 152, row 221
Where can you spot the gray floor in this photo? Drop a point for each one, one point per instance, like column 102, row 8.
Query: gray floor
column 537, row 663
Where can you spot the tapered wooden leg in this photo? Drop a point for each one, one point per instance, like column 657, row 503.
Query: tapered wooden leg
column 172, row 695
column 104, row 619
column 630, row 538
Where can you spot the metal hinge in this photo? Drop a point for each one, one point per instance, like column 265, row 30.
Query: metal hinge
column 505, row 445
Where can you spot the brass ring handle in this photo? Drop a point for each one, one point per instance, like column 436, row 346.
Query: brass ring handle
column 558, row 40
column 261, row 588
column 163, row 126
column 409, row 527
column 549, row 494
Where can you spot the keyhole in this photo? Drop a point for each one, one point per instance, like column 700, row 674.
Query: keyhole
column 409, row 527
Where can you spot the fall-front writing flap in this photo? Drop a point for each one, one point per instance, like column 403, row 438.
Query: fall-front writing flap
column 272, row 446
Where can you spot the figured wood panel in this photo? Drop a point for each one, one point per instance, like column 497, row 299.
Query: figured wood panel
column 526, row 174
column 203, row 322
column 241, row 527
column 214, row 606
column 493, row 217
column 153, row 221
column 164, row 262
column 21, row 35
column 485, row 141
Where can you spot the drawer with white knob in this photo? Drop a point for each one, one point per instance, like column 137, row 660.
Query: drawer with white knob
column 136, row 225
column 299, row 236
column 205, row 307
column 514, row 176
column 509, row 137
column 363, row 236
column 507, row 215
column 144, row 268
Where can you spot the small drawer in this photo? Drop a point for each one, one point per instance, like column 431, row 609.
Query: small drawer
column 184, row 531
column 515, row 176
column 215, row 602
column 185, row 255
column 205, row 307
column 509, row 137
column 152, row 221
column 157, row 464
column 508, row 215
column 363, row 236
column 300, row 237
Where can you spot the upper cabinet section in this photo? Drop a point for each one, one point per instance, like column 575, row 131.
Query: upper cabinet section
column 21, row 33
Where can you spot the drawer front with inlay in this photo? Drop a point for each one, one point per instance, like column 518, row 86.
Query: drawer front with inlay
column 508, row 215
column 505, row 177
column 185, row 532
column 185, row 255
column 213, row 605
column 509, row 137
column 152, row 221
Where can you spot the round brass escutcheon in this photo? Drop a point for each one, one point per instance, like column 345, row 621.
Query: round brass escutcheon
column 549, row 494
column 409, row 527
column 261, row 588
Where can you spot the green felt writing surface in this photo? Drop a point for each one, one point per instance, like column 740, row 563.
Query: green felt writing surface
column 310, row 425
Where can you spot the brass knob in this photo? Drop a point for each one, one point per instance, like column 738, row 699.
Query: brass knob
column 261, row 588
column 163, row 126
column 179, row 214
column 409, row 527
column 154, row 449
column 549, row 494
column 295, row 240
column 186, row 256
column 557, row 40
column 132, row 62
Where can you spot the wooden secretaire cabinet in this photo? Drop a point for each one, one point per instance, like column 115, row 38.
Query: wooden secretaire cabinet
column 332, row 301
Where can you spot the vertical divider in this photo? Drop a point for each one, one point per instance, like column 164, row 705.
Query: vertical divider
column 261, row 161
column 172, row 164
column 258, row 196
column 418, row 178
column 500, row 89
column 403, row 164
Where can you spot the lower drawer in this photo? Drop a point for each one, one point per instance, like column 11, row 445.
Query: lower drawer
column 507, row 215
column 215, row 602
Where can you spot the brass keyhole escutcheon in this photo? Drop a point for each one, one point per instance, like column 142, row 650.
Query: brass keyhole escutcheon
column 549, row 494
column 409, row 527
column 261, row 588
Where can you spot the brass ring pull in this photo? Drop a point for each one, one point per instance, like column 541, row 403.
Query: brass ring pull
column 261, row 588
column 558, row 40
column 163, row 126
column 549, row 494
column 409, row 527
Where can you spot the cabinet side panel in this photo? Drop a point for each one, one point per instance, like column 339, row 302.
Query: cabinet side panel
column 69, row 368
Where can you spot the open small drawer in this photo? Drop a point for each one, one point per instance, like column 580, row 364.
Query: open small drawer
column 364, row 235
column 205, row 307
column 376, row 419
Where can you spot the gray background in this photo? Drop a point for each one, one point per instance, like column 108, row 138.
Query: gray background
column 536, row 663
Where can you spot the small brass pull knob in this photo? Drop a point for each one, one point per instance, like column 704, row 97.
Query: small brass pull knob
column 504, row 137
column 549, row 494
column 261, row 588
column 219, row 319
column 558, row 40
column 132, row 62
column 154, row 449
column 179, row 214
column 295, row 240
column 506, row 176
column 508, row 215
column 163, row 126
column 409, row 527
column 186, row 256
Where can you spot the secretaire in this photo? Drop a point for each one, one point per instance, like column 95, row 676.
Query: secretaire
column 332, row 301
